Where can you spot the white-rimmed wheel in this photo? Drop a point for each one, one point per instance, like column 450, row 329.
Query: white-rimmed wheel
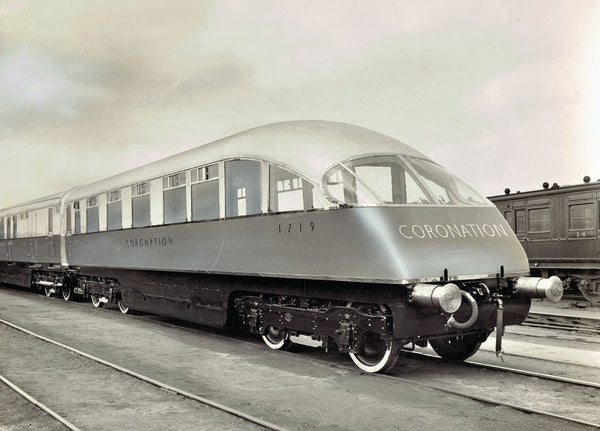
column 96, row 301
column 276, row 338
column 122, row 306
column 48, row 290
column 67, row 293
column 374, row 354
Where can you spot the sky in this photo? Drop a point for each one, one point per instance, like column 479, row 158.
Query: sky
column 501, row 93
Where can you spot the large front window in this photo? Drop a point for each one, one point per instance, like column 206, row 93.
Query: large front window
column 398, row 180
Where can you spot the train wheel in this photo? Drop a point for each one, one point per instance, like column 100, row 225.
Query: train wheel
column 66, row 294
column 96, row 301
column 374, row 356
column 122, row 306
column 590, row 289
column 277, row 339
column 456, row 348
column 48, row 290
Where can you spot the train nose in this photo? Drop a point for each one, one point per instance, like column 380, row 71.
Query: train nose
column 537, row 287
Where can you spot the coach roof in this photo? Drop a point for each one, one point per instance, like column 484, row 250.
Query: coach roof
column 307, row 147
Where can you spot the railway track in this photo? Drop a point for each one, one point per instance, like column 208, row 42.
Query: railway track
column 423, row 381
column 524, row 407
column 567, row 323
column 432, row 378
column 69, row 423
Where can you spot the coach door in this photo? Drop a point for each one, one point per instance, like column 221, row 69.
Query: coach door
column 543, row 229
column 580, row 225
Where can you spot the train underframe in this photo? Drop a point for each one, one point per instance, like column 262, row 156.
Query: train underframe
column 582, row 278
column 371, row 322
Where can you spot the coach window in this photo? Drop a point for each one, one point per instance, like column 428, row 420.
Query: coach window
column 205, row 193
column 2, row 228
column 114, row 210
column 77, row 217
column 373, row 181
column 581, row 217
column 174, row 209
column 92, row 215
column 69, row 219
column 242, row 188
column 539, row 220
column 14, row 226
column 140, row 204
column 288, row 192
column 50, row 220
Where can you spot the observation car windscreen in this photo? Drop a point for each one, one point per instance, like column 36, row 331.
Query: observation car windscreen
column 397, row 180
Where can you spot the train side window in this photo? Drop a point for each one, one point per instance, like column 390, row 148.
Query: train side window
column 174, row 206
column 242, row 188
column 539, row 220
column 520, row 222
column 140, row 204
column 341, row 185
column 2, row 228
column 205, row 193
column 92, row 215
column 14, row 226
column 77, row 217
column 375, row 181
column 288, row 192
column 69, row 219
column 50, row 220
column 581, row 217
column 114, row 210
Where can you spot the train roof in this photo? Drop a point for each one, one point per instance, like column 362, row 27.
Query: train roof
column 306, row 147
column 46, row 201
column 548, row 191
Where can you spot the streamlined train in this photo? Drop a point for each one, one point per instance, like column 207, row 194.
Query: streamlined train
column 292, row 230
column 559, row 228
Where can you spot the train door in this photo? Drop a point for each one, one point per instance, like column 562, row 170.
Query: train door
column 579, row 233
column 520, row 225
column 543, row 230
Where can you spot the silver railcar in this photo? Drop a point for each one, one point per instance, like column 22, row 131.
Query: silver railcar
column 308, row 228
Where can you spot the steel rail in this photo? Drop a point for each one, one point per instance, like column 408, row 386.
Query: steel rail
column 566, row 323
column 436, row 387
column 157, row 383
column 38, row 404
column 475, row 397
column 450, row 391
column 513, row 371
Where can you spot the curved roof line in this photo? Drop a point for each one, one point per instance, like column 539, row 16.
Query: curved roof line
column 308, row 147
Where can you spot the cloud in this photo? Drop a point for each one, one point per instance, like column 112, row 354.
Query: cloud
column 37, row 87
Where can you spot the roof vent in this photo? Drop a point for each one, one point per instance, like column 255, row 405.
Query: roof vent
column 586, row 179
column 555, row 186
column 545, row 185
column 507, row 191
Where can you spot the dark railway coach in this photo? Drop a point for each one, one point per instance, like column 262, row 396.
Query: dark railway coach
column 293, row 230
column 559, row 229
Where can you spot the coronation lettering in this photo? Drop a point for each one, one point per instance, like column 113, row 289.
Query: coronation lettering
column 447, row 231
column 162, row 241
